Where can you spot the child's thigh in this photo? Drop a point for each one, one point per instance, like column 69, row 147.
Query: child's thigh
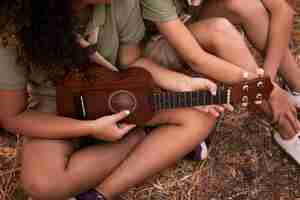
column 187, row 117
column 45, row 158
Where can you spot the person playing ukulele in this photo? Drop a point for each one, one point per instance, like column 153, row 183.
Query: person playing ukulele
column 210, row 45
column 54, row 165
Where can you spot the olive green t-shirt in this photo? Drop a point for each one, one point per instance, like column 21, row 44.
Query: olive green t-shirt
column 159, row 10
column 120, row 23
column 168, row 10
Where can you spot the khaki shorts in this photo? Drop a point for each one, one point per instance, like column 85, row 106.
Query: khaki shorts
column 159, row 50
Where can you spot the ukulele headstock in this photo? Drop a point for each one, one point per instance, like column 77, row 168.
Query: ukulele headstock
column 250, row 91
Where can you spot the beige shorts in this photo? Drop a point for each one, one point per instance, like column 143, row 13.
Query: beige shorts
column 159, row 50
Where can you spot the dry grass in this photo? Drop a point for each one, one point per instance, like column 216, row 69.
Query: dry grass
column 244, row 164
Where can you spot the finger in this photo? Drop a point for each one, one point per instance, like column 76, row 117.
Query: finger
column 202, row 108
column 122, row 125
column 97, row 58
column 293, row 121
column 205, row 84
column 276, row 117
column 82, row 42
column 294, row 109
column 213, row 112
column 229, row 107
column 260, row 72
column 208, row 109
column 126, row 128
column 246, row 75
column 119, row 116
column 218, row 108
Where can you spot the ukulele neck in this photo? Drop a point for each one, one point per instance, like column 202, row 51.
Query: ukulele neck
column 169, row 100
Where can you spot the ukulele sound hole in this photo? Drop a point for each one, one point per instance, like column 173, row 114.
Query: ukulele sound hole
column 122, row 100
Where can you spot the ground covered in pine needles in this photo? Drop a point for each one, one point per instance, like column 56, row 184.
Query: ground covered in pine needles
column 244, row 162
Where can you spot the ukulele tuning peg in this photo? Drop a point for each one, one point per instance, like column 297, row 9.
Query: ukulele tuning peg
column 260, row 72
column 245, row 101
column 259, row 99
column 245, row 75
column 260, row 84
column 246, row 88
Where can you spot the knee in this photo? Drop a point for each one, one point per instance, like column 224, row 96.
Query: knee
column 40, row 187
column 238, row 8
column 235, row 6
column 222, row 31
column 220, row 26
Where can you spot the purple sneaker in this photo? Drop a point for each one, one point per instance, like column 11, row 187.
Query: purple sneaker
column 91, row 194
column 199, row 153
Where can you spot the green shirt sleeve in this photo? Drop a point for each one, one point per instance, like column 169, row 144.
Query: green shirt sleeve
column 131, row 25
column 12, row 75
column 159, row 10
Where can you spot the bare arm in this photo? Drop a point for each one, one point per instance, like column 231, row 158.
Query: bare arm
column 184, row 42
column 15, row 118
column 281, row 21
column 130, row 55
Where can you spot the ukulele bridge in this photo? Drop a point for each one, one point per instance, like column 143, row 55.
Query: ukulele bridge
column 83, row 109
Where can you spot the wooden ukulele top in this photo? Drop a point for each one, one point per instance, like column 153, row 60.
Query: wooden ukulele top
column 98, row 91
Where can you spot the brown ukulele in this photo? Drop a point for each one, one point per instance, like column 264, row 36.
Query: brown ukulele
column 99, row 91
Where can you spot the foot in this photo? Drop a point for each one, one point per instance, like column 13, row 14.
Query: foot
column 199, row 153
column 291, row 146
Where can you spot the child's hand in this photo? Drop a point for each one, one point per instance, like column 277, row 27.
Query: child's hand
column 107, row 128
column 205, row 84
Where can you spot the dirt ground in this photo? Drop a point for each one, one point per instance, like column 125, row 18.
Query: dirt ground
column 244, row 162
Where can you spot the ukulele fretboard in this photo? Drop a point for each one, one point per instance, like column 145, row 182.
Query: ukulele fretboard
column 168, row 100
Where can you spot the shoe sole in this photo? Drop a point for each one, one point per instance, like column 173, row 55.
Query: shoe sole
column 285, row 150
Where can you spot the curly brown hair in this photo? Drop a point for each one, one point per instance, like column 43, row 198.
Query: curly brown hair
column 50, row 38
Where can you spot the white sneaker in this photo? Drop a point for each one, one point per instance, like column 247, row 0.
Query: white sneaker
column 295, row 97
column 291, row 146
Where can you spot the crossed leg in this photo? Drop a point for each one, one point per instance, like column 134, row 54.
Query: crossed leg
column 225, row 42
column 254, row 19
column 53, row 171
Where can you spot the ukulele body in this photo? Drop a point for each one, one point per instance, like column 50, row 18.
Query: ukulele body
column 98, row 91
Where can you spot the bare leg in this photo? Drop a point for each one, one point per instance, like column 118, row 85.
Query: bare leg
column 52, row 170
column 255, row 20
column 290, row 70
column 224, row 41
column 162, row 148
